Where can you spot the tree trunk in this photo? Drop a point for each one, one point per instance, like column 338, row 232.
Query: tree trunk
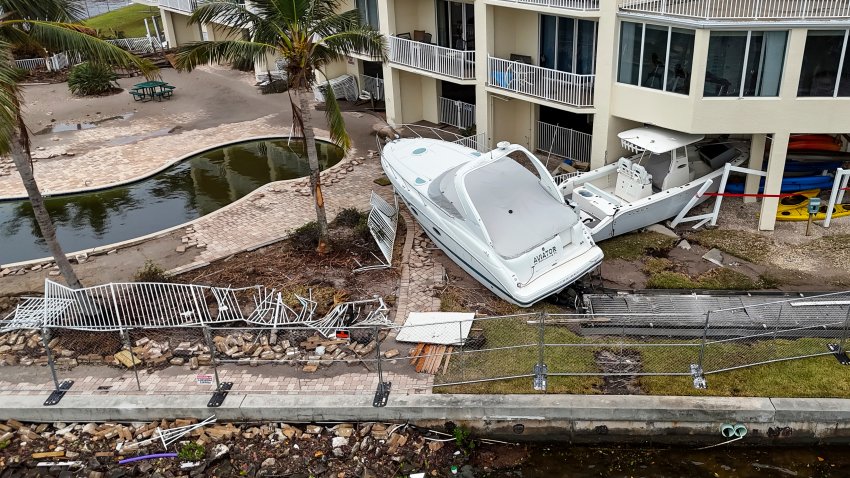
column 23, row 162
column 313, row 161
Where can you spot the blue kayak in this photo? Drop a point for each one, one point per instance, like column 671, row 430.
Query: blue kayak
column 789, row 185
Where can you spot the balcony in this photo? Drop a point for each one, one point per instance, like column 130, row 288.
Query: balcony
column 567, row 143
column 581, row 5
column 551, row 85
column 187, row 6
column 456, row 113
column 741, row 10
column 448, row 62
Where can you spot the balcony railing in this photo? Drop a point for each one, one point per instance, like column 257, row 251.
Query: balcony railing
column 553, row 85
column 457, row 113
column 564, row 142
column 182, row 5
column 741, row 9
column 432, row 58
column 583, row 5
column 374, row 85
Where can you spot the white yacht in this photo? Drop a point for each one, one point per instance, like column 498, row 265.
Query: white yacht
column 499, row 215
column 653, row 185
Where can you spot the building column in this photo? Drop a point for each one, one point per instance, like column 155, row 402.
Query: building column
column 392, row 86
column 168, row 27
column 606, row 69
column 773, row 182
column 484, row 40
column 756, row 161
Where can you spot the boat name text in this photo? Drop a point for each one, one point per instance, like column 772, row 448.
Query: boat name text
column 547, row 253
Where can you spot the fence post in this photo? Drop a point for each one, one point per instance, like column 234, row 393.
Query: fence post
column 59, row 388
column 382, row 394
column 129, row 344
column 697, row 371
column 540, row 369
column 462, row 356
column 214, row 360
column 844, row 332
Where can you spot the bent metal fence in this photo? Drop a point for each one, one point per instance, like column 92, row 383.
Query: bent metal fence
column 180, row 339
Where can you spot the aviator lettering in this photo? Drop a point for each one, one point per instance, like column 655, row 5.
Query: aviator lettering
column 547, row 253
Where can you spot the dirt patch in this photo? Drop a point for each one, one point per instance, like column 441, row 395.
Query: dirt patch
column 499, row 457
column 619, row 362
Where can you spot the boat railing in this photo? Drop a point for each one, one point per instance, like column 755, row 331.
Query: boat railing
column 391, row 133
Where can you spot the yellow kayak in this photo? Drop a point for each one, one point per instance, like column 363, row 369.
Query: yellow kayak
column 798, row 200
column 802, row 214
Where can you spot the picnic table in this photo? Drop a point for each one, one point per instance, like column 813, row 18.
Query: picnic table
column 149, row 90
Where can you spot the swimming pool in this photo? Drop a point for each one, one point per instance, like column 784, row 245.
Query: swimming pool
column 187, row 190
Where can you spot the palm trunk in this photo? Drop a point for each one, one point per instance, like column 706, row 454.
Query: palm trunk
column 313, row 162
column 23, row 162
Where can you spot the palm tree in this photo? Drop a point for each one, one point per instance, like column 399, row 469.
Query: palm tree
column 20, row 26
column 308, row 35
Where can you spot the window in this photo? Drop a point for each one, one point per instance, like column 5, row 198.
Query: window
column 567, row 44
column 655, row 56
column 456, row 25
column 369, row 13
column 745, row 63
column 825, row 64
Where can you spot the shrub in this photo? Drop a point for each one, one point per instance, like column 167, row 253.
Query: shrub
column 348, row 217
column 191, row 452
column 92, row 79
column 306, row 237
column 151, row 272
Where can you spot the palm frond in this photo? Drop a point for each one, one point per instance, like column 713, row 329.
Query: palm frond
column 9, row 97
column 357, row 40
column 336, row 123
column 192, row 55
column 51, row 10
column 227, row 12
column 72, row 37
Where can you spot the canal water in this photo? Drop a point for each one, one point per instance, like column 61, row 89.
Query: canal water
column 187, row 190
column 556, row 461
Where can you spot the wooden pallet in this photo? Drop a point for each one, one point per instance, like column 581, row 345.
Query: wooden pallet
column 427, row 358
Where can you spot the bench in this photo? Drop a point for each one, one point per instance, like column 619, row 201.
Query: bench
column 137, row 95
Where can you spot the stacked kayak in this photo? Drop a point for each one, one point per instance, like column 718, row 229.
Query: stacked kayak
column 802, row 213
column 789, row 184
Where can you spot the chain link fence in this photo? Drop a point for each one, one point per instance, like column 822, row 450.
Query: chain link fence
column 452, row 353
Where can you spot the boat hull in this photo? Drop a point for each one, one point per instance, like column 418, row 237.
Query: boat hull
column 443, row 231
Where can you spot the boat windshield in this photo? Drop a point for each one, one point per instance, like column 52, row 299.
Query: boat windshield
column 442, row 191
column 515, row 209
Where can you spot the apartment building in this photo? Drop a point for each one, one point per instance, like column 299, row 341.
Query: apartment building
column 568, row 75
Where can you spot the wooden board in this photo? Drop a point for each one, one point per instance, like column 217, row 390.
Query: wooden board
column 448, row 357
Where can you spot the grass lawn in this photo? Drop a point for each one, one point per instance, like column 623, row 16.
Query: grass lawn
column 128, row 20
column 511, row 350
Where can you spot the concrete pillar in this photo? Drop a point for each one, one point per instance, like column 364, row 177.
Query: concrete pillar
column 168, row 27
column 606, row 68
column 756, row 161
column 773, row 182
column 392, row 86
column 484, row 39
column 430, row 99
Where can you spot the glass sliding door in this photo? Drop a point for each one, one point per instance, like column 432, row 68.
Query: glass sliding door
column 765, row 59
column 455, row 25
column 821, row 61
column 654, row 56
column 567, row 44
column 726, row 51
column 631, row 38
column 679, row 61
column 368, row 10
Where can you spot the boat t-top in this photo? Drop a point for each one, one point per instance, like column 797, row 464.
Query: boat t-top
column 655, row 184
column 499, row 215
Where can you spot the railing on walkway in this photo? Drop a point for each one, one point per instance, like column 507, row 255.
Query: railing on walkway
column 742, row 9
column 51, row 63
column 153, row 325
column 182, row 5
column 138, row 45
column 457, row 113
column 564, row 142
column 374, row 85
column 477, row 141
column 553, row 85
column 31, row 63
column 583, row 5
column 432, row 58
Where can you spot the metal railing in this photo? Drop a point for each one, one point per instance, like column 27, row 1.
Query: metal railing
column 564, row 142
column 51, row 63
column 583, row 5
column 432, row 58
column 477, row 141
column 742, row 9
column 374, row 85
column 462, row 354
column 457, row 113
column 31, row 63
column 553, row 85
column 182, row 5
column 138, row 45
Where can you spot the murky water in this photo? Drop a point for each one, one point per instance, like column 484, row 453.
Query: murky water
column 557, row 461
column 185, row 191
